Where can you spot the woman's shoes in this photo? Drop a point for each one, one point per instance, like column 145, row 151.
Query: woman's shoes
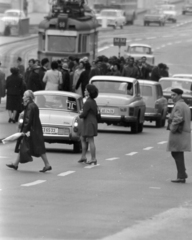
column 11, row 120
column 12, row 166
column 45, row 169
column 92, row 162
column 82, row 160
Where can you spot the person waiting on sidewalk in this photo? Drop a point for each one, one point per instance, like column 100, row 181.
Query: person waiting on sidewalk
column 2, row 84
column 130, row 70
column 32, row 124
column 89, row 124
column 34, row 83
column 180, row 133
column 21, row 67
column 28, row 72
column 14, row 90
column 43, row 69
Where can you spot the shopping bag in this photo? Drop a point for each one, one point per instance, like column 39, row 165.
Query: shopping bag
column 12, row 138
column 25, row 153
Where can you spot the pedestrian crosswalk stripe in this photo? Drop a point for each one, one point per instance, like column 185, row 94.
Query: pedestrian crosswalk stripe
column 65, row 173
column 92, row 166
column 162, row 142
column 131, row 154
column 33, row 183
column 112, row 159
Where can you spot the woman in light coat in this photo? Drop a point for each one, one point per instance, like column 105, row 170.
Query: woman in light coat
column 180, row 133
column 53, row 78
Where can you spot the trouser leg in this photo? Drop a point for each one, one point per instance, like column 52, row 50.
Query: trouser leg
column 180, row 164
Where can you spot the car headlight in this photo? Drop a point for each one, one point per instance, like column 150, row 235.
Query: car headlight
column 75, row 126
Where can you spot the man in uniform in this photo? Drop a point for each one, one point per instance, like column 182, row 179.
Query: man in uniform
column 180, row 133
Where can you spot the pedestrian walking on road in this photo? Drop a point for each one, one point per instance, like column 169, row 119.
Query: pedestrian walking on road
column 53, row 78
column 89, row 124
column 14, row 90
column 21, row 67
column 31, row 123
column 180, row 133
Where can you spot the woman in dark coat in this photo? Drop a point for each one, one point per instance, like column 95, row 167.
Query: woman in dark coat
column 32, row 124
column 14, row 87
column 89, row 125
column 84, row 78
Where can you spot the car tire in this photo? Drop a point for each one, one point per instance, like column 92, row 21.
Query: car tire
column 114, row 26
column 145, row 24
column 135, row 126
column 160, row 24
column 140, row 127
column 121, row 26
column 77, row 147
column 163, row 122
column 7, row 31
column 159, row 123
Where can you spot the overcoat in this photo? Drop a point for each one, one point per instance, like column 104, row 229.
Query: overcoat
column 32, row 124
column 180, row 141
column 89, row 115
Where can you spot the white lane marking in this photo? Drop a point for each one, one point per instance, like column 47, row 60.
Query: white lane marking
column 162, row 46
column 162, row 142
column 151, row 37
column 112, row 159
column 0, row 189
column 33, row 183
column 131, row 154
column 169, row 43
column 157, row 188
column 167, row 36
column 92, row 166
column 3, row 157
column 65, row 173
column 147, row 149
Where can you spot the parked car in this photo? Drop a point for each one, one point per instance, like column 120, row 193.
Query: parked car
column 181, row 75
column 120, row 101
column 170, row 12
column 156, row 103
column 187, row 8
column 59, row 113
column 154, row 16
column 183, row 83
column 11, row 17
column 114, row 18
column 139, row 50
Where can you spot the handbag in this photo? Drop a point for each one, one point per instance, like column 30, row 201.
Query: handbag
column 25, row 153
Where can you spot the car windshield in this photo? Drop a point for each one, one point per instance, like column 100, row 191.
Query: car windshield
column 108, row 14
column 146, row 91
column 56, row 102
column 167, row 85
column 117, row 87
column 139, row 49
column 11, row 14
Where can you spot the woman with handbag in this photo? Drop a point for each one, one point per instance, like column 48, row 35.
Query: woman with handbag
column 89, row 124
column 34, row 144
column 53, row 78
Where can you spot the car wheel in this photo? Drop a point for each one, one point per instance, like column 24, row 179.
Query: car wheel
column 163, row 122
column 114, row 26
column 7, row 31
column 140, row 127
column 145, row 24
column 135, row 126
column 160, row 24
column 121, row 26
column 159, row 122
column 77, row 147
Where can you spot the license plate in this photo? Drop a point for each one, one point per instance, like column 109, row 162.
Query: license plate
column 107, row 110
column 48, row 130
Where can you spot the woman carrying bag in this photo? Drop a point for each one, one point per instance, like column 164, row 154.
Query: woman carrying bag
column 34, row 143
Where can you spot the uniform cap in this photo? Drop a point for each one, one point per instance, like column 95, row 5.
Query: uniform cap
column 177, row 90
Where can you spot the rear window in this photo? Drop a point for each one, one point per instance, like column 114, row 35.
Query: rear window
column 64, row 103
column 146, row 91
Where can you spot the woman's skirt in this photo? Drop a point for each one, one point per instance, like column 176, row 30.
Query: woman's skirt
column 13, row 103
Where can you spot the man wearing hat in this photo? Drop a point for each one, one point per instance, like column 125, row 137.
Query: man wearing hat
column 180, row 133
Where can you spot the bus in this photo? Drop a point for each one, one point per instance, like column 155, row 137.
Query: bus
column 70, row 29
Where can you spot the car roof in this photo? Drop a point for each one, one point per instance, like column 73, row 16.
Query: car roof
column 148, row 82
column 61, row 93
column 114, row 78
column 14, row 10
column 139, row 45
column 177, row 79
column 114, row 10
column 181, row 74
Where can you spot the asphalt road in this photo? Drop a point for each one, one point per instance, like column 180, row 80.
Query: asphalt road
column 127, row 196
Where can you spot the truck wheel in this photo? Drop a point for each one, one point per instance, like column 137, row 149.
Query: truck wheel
column 77, row 148
column 140, row 127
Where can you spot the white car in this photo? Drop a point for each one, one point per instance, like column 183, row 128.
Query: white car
column 181, row 75
column 11, row 17
column 170, row 12
column 138, row 50
column 112, row 18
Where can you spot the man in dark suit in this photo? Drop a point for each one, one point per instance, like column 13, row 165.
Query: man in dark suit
column 44, row 67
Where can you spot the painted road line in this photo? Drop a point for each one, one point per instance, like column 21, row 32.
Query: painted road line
column 156, row 188
column 151, row 38
column 169, row 43
column 112, row 159
column 167, row 36
column 163, row 46
column 65, row 173
column 162, row 142
column 92, row 166
column 131, row 154
column 33, row 183
column 104, row 48
column 147, row 149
